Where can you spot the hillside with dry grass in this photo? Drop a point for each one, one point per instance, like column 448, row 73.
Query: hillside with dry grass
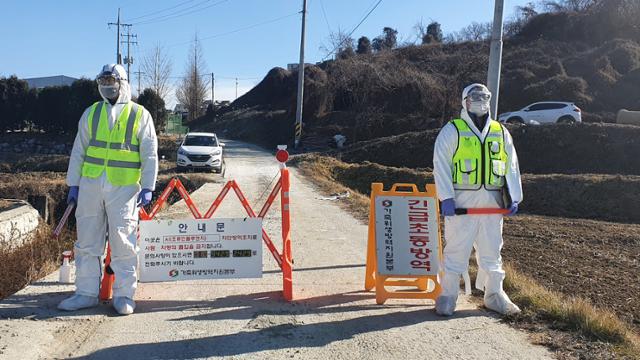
column 554, row 56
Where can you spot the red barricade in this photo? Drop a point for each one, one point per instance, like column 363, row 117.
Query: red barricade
column 284, row 261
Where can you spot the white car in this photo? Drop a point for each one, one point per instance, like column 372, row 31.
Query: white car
column 200, row 150
column 547, row 112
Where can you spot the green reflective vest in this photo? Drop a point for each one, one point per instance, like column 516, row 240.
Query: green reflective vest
column 477, row 164
column 116, row 151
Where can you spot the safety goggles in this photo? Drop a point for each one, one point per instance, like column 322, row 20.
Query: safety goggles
column 479, row 96
column 107, row 80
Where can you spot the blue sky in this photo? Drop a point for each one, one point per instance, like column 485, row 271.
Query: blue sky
column 43, row 38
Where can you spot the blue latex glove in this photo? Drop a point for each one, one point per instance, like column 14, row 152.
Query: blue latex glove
column 448, row 207
column 513, row 209
column 144, row 198
column 73, row 194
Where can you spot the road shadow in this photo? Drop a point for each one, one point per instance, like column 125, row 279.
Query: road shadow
column 44, row 306
column 245, row 307
column 282, row 336
column 332, row 267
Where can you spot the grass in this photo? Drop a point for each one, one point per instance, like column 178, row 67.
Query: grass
column 33, row 260
column 538, row 303
column 570, row 313
column 42, row 254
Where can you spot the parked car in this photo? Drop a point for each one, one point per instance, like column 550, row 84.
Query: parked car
column 547, row 112
column 200, row 150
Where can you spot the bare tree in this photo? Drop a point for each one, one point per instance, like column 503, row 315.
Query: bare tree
column 428, row 34
column 340, row 44
column 521, row 17
column 156, row 67
column 420, row 30
column 569, row 5
column 194, row 85
column 472, row 32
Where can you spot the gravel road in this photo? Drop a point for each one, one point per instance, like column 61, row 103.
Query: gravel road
column 331, row 317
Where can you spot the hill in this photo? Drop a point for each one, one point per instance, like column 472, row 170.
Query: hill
column 554, row 56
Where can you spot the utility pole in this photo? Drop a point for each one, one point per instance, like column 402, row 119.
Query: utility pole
column 128, row 59
column 236, row 88
column 139, row 73
column 495, row 57
column 298, row 130
column 118, row 25
column 213, row 93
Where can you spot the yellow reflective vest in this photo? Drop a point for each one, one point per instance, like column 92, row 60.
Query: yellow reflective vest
column 116, row 151
column 476, row 163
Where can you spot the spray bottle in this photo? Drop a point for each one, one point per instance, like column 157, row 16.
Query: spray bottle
column 65, row 269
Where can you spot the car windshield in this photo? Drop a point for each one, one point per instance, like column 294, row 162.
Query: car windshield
column 200, row 141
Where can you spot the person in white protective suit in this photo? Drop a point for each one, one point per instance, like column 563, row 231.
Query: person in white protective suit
column 475, row 164
column 112, row 171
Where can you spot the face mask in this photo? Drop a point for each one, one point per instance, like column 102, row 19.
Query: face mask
column 479, row 108
column 109, row 91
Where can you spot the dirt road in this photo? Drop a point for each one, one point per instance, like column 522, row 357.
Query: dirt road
column 331, row 318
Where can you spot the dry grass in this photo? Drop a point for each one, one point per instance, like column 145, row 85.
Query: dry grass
column 570, row 313
column 41, row 255
column 33, row 260
column 567, row 313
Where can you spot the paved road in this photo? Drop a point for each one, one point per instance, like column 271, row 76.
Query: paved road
column 332, row 318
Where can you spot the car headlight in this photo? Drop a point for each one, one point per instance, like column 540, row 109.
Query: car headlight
column 216, row 152
column 181, row 152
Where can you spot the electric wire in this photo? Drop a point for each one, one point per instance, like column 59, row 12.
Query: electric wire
column 159, row 11
column 354, row 29
column 180, row 13
column 324, row 14
column 237, row 30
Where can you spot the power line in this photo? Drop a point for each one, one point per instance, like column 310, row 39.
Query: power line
column 160, row 11
column 354, row 29
column 324, row 14
column 237, row 30
column 180, row 13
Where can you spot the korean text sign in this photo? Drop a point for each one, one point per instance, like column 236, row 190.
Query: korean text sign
column 200, row 249
column 407, row 235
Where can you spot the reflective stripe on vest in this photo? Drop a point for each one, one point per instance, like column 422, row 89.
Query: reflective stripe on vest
column 116, row 151
column 477, row 164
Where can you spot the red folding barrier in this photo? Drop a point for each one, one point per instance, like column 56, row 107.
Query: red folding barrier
column 284, row 261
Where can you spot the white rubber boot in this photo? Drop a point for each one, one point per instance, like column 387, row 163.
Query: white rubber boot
column 77, row 302
column 124, row 305
column 446, row 305
column 500, row 303
column 446, row 302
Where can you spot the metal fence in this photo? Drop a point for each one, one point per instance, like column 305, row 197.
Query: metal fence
column 174, row 125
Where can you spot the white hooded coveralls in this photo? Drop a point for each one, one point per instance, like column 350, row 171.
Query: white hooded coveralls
column 102, row 205
column 461, row 232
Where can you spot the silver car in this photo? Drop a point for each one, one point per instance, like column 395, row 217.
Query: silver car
column 200, row 151
column 546, row 112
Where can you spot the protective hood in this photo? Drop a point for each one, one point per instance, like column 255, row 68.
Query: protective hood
column 464, row 114
column 125, row 88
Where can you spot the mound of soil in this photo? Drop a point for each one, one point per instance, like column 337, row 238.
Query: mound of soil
column 563, row 149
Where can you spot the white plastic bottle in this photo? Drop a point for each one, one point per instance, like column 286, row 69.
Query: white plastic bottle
column 65, row 269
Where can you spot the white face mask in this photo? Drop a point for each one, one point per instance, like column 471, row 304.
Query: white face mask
column 479, row 108
column 111, row 92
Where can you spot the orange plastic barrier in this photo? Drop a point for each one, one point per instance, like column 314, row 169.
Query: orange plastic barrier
column 285, row 260
column 373, row 278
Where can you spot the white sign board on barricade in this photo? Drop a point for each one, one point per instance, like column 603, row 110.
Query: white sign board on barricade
column 407, row 237
column 192, row 249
